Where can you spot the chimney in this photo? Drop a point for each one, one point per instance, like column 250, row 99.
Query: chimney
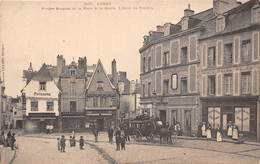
column 60, row 63
column 114, row 74
column 85, row 64
column 30, row 67
column 81, row 63
column 188, row 12
column 122, row 76
column 160, row 28
column 221, row 6
column 146, row 39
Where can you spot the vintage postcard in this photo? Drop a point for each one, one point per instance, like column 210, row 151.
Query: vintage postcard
column 130, row 81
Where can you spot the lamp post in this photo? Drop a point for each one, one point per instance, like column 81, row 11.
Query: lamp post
column 154, row 101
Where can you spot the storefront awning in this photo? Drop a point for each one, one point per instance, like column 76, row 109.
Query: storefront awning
column 42, row 119
column 97, row 114
column 73, row 116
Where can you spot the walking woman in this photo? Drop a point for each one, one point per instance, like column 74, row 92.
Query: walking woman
column 219, row 134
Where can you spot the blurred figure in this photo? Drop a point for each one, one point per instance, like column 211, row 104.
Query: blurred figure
column 62, row 143
column 209, row 128
column 110, row 134
column 219, row 134
column 12, row 141
column 81, row 142
column 235, row 132
column 229, row 131
column 58, row 143
column 203, row 129
column 96, row 133
column 118, row 135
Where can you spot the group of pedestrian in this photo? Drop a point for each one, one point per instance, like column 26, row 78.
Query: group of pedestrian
column 9, row 140
column 205, row 130
column 61, row 142
column 120, row 139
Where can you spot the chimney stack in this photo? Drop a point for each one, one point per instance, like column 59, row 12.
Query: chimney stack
column 30, row 67
column 188, row 12
column 60, row 64
column 114, row 74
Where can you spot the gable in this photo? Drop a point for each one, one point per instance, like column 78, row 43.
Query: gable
column 100, row 75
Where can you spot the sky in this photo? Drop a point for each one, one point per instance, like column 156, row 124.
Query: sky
column 37, row 32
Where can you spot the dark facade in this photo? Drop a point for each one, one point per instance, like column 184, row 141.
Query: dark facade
column 102, row 99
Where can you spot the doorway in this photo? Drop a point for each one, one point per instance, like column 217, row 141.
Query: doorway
column 73, row 106
column 19, row 124
column 100, row 124
column 163, row 116
column 187, row 120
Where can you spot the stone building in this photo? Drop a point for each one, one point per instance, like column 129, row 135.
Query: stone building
column 17, row 112
column 192, row 71
column 72, row 83
column 102, row 98
column 170, row 71
column 40, row 100
column 230, row 67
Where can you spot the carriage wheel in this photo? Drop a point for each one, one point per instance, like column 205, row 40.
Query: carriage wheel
column 137, row 135
column 151, row 137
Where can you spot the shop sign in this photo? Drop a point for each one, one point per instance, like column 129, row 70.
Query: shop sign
column 41, row 94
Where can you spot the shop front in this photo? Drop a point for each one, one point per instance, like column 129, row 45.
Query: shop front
column 241, row 111
column 73, row 121
column 37, row 122
column 103, row 119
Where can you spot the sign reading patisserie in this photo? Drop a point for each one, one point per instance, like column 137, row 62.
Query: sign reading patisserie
column 41, row 94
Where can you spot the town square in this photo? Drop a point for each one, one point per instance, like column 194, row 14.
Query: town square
column 130, row 82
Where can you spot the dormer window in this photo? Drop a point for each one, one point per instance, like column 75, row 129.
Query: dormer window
column 72, row 72
column 43, row 86
column 220, row 24
column 184, row 25
column 256, row 14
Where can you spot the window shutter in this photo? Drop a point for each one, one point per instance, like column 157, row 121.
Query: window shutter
column 192, row 48
column 219, row 53
column 175, row 52
column 204, row 85
column 219, row 84
column 255, row 82
column 192, row 78
column 158, row 56
column 236, row 50
column 255, row 47
column 204, row 55
column 158, row 82
column 236, row 83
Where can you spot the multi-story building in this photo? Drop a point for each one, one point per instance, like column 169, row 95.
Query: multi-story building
column 170, row 71
column 230, row 67
column 73, row 79
column 40, row 96
column 102, row 98
column 129, row 98
column 17, row 112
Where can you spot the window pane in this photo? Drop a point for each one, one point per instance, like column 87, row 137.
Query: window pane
column 174, row 81
column 246, row 119
column 238, row 117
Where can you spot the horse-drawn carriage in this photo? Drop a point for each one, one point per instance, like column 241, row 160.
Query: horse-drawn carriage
column 151, row 129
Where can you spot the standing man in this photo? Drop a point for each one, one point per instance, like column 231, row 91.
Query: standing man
column 12, row 141
column 118, row 135
column 110, row 134
column 96, row 133
column 62, row 143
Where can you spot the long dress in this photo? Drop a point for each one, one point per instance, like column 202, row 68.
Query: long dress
column 235, row 133
column 209, row 132
column 229, row 132
column 219, row 137
column 204, row 130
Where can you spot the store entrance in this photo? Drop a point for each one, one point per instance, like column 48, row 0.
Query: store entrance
column 100, row 124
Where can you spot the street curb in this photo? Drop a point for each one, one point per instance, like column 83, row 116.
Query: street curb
column 11, row 161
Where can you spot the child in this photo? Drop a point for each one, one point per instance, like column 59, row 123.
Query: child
column 81, row 142
column 71, row 141
column 58, row 143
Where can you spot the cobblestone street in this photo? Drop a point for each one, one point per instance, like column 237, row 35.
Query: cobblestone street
column 185, row 151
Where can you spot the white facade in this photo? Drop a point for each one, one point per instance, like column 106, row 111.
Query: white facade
column 34, row 94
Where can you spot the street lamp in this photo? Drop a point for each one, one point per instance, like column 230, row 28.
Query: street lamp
column 153, row 106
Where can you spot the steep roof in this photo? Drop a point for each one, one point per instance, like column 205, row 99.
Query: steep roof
column 28, row 75
column 246, row 6
column 43, row 74
column 95, row 72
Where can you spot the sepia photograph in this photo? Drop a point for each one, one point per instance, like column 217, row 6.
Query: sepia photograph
column 130, row 82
